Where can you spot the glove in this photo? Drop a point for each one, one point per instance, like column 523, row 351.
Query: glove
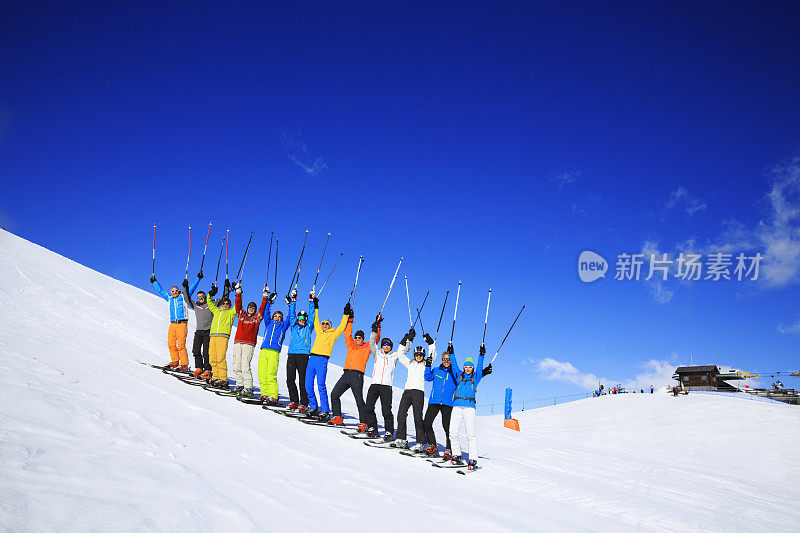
column 213, row 291
column 429, row 361
column 265, row 292
column 487, row 370
column 482, row 350
column 411, row 334
column 352, row 315
column 288, row 299
column 376, row 324
column 238, row 287
column 405, row 338
column 227, row 284
column 316, row 303
column 153, row 278
column 200, row 275
column 347, row 308
column 294, row 295
column 272, row 297
column 450, row 349
column 428, row 338
column 185, row 283
column 378, row 319
column 311, row 296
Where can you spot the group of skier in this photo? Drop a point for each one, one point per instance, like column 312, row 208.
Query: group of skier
column 453, row 388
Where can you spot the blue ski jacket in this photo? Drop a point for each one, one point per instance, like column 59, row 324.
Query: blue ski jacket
column 274, row 331
column 177, row 307
column 466, row 385
column 444, row 383
column 300, row 340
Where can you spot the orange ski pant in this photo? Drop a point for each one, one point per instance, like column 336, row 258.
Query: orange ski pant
column 176, row 342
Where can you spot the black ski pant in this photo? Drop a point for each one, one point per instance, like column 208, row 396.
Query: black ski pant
column 296, row 364
column 416, row 400
column 351, row 379
column 384, row 392
column 202, row 338
column 430, row 415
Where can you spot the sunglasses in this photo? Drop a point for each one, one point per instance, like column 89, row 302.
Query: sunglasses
column 445, row 360
column 359, row 337
column 174, row 291
column 325, row 324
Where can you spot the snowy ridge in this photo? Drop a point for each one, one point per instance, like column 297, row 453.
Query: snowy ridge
column 89, row 439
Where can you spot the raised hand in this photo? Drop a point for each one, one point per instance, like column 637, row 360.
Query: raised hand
column 200, row 275
column 428, row 338
column 153, row 278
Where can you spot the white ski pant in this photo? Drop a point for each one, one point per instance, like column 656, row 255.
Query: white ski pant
column 242, row 357
column 467, row 415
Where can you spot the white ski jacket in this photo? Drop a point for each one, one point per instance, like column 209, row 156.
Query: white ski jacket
column 383, row 372
column 416, row 371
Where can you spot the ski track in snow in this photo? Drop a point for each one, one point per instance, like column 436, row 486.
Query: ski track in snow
column 92, row 440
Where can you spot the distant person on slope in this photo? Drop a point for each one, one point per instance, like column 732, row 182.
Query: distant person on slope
column 355, row 364
column 202, row 334
column 318, row 360
column 413, row 395
column 382, row 378
column 269, row 356
column 221, row 326
column 464, row 405
column 299, row 348
column 440, row 400
column 178, row 326
column 245, row 341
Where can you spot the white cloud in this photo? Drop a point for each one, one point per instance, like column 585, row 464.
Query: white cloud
column 680, row 197
column 791, row 328
column 297, row 152
column 656, row 372
column 566, row 178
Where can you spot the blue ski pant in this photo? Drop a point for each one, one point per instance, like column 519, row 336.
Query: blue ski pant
column 317, row 368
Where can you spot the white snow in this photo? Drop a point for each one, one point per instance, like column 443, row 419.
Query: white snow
column 92, row 440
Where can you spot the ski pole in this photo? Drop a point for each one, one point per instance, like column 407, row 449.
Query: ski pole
column 314, row 286
column 441, row 315
column 227, row 240
column 504, row 338
column 244, row 259
column 154, row 248
column 419, row 317
column 219, row 260
column 190, row 252
column 276, row 264
column 331, row 274
column 410, row 321
column 353, row 290
column 205, row 246
column 269, row 256
column 419, row 309
column 486, row 319
column 297, row 267
column 390, row 286
column 452, row 331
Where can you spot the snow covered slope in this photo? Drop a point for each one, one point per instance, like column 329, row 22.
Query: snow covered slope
column 89, row 439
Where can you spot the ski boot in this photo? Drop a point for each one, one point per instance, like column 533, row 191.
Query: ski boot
column 313, row 413
column 418, row 448
column 324, row 417
column 182, row 368
column 206, row 375
column 172, row 364
column 197, row 372
column 337, row 421
column 432, row 451
column 238, row 390
column 457, row 460
column 303, row 408
column 400, row 443
column 472, row 465
column 388, row 437
column 362, row 428
column 269, row 400
column 372, row 433
column 246, row 393
column 447, row 454
column 292, row 406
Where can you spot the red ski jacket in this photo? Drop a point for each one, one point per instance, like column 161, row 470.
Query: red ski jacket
column 247, row 328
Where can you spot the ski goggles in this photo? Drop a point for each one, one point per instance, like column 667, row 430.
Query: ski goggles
column 386, row 344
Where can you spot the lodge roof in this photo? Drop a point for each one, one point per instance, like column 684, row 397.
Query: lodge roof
column 695, row 369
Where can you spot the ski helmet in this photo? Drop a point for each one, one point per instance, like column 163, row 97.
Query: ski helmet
column 302, row 315
column 419, row 350
column 387, row 342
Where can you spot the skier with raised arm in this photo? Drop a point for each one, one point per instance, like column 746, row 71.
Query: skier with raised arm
column 299, row 349
column 318, row 360
column 382, row 378
column 358, row 352
column 440, row 400
column 413, row 395
column 202, row 334
column 178, row 325
column 467, row 381
column 221, row 325
column 269, row 356
column 244, row 343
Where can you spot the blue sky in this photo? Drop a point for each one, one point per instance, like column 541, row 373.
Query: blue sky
column 490, row 144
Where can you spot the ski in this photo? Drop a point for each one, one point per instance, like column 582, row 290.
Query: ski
column 176, row 373
column 254, row 401
column 357, row 435
column 159, row 367
column 409, row 453
column 469, row 470
column 440, row 465
column 378, row 444
column 438, row 460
